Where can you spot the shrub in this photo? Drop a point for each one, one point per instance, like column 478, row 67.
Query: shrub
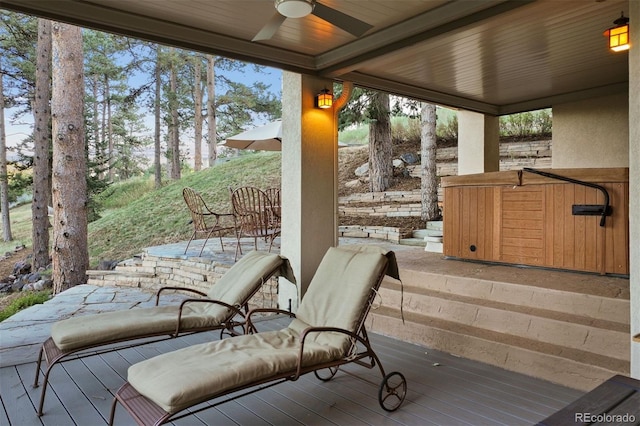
column 24, row 301
column 526, row 124
column 448, row 131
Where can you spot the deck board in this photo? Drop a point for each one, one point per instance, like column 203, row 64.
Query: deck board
column 455, row 392
column 488, row 391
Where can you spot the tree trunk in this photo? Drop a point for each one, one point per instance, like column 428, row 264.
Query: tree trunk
column 428, row 170
column 197, row 101
column 380, row 148
column 42, row 142
column 157, row 151
column 110, row 150
column 70, row 253
column 174, row 133
column 96, row 124
column 211, row 109
column 4, row 178
column 103, row 136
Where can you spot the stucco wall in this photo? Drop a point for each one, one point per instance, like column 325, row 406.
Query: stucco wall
column 592, row 133
column 634, row 185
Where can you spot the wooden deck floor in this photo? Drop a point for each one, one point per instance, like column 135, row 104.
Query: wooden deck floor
column 442, row 390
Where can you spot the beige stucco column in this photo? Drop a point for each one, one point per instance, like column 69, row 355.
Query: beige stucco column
column 634, row 183
column 309, row 158
column 478, row 143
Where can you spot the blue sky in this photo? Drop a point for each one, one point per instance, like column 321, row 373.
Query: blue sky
column 16, row 132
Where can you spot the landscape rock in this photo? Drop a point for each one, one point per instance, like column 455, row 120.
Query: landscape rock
column 107, row 265
column 410, row 158
column 362, row 170
column 33, row 277
column 22, row 267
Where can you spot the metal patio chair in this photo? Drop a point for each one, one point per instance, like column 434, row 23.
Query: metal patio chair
column 256, row 216
column 205, row 221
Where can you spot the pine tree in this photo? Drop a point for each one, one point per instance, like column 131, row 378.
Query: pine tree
column 428, row 170
column 69, row 184
column 4, row 182
column 380, row 147
column 41, row 150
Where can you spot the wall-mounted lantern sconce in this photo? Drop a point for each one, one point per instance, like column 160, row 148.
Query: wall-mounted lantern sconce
column 324, row 99
column 619, row 35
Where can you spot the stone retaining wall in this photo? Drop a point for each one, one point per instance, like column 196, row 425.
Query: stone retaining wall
column 152, row 272
column 513, row 155
column 381, row 204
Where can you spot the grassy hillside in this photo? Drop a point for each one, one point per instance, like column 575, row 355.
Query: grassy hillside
column 139, row 217
column 20, row 229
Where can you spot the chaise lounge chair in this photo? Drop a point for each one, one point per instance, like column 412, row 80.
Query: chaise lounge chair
column 326, row 332
column 95, row 334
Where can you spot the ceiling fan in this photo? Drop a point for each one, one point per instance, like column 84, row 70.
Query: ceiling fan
column 301, row 8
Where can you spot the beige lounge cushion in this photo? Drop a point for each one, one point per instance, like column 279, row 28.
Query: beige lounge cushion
column 340, row 288
column 238, row 282
column 234, row 287
column 107, row 327
column 180, row 379
column 336, row 298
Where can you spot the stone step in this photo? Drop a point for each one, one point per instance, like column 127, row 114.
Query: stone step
column 418, row 242
column 434, row 246
column 435, row 225
column 577, row 332
column 577, row 339
column 571, row 368
column 582, row 304
column 423, row 233
column 124, row 273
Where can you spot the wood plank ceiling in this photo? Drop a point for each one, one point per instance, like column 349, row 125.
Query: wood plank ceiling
column 491, row 56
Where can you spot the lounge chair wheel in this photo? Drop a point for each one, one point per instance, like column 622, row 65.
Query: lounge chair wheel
column 392, row 391
column 326, row 374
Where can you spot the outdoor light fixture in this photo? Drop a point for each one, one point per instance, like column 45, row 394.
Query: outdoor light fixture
column 619, row 35
column 294, row 8
column 324, row 99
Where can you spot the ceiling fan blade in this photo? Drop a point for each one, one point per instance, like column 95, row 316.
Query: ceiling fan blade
column 270, row 28
column 341, row 20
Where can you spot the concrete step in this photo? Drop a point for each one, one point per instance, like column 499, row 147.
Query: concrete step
column 418, row 242
column 593, row 306
column 526, row 356
column 435, row 225
column 434, row 246
column 575, row 339
column 423, row 233
column 544, row 325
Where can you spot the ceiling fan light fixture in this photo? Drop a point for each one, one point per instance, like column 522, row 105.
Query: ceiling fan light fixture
column 294, row 8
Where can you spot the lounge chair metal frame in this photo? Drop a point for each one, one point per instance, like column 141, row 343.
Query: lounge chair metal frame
column 54, row 355
column 391, row 392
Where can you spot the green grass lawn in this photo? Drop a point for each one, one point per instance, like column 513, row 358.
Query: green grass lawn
column 138, row 216
column 20, row 229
